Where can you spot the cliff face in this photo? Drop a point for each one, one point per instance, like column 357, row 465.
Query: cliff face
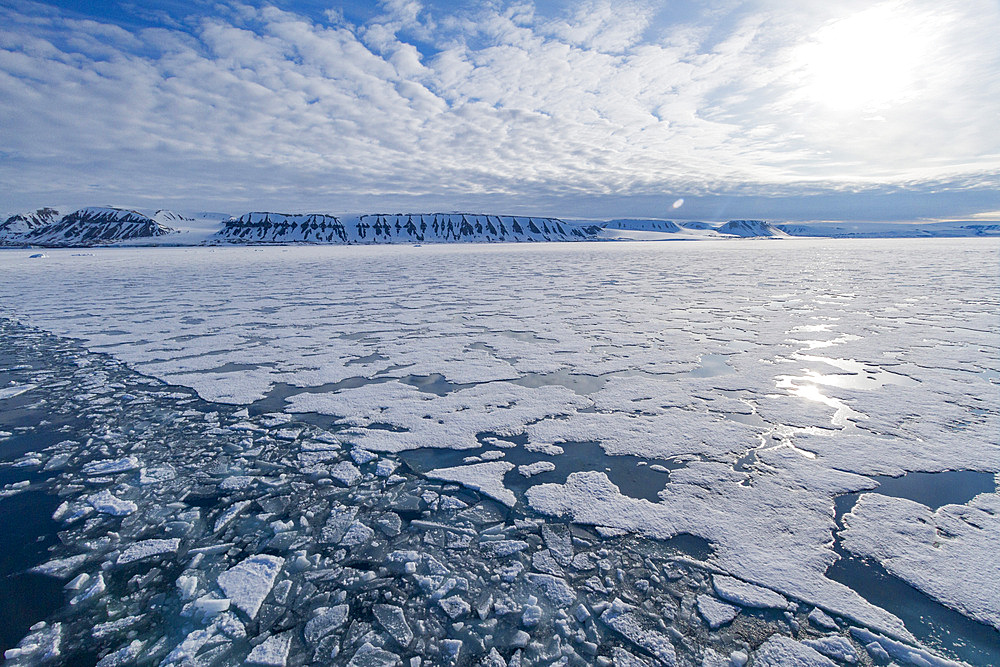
column 398, row 228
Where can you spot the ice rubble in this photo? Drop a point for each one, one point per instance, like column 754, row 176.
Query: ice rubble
column 757, row 537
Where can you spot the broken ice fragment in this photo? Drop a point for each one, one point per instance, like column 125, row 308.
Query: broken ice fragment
column 393, row 620
column 544, row 562
column 61, row 567
column 747, row 595
column 126, row 655
column 536, row 468
column 821, row 620
column 95, row 590
column 229, row 514
column 41, row 646
column 110, row 467
column 337, row 523
column 157, row 474
column 502, row 548
column 781, row 651
column 362, row 456
column 210, row 606
column 385, row 467
column 451, row 648
column 494, row 659
column 390, row 524
column 16, row 390
column 147, row 549
column 555, row 588
column 716, row 613
column 455, row 607
column 272, row 652
column 248, row 583
column 486, row 478
column 107, row 503
column 623, row 619
column 897, row 650
column 358, row 533
column 531, row 615
column 451, row 503
column 346, row 473
column 237, row 482
column 371, row 656
column 288, row 434
column 835, row 647
column 324, row 621
column 623, row 658
column 559, row 542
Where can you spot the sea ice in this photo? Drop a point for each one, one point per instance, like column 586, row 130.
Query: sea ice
column 108, row 503
column 487, row 478
column 272, row 652
column 943, row 552
column 346, row 473
column 549, row 357
column 536, row 468
column 393, row 620
column 622, row 619
column 747, row 595
column 148, row 549
column 781, row 651
column 716, row 613
column 838, row 648
column 248, row 583
column 555, row 588
column 111, row 467
column 324, row 621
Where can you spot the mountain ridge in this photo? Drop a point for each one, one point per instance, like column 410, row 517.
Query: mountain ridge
column 110, row 225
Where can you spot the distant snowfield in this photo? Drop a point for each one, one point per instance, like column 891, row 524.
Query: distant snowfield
column 771, row 377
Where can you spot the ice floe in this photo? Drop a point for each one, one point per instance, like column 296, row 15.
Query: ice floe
column 250, row 581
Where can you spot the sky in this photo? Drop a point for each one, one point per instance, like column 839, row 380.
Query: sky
column 719, row 109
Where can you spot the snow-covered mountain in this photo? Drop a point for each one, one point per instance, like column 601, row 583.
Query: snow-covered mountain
column 14, row 228
column 123, row 226
column 166, row 217
column 262, row 227
column 750, row 228
column 96, row 225
column 742, row 228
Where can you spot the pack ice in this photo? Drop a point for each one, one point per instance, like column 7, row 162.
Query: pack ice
column 614, row 454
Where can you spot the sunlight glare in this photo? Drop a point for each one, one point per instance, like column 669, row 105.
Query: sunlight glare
column 867, row 61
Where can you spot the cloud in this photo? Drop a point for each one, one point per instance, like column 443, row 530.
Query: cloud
column 270, row 107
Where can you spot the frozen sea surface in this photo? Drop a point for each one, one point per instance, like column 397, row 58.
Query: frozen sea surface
column 613, row 454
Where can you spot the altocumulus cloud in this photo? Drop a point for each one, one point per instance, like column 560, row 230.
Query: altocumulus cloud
column 258, row 105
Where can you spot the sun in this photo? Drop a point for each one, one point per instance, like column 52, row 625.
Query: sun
column 867, row 61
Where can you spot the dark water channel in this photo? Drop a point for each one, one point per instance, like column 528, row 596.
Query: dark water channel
column 632, row 474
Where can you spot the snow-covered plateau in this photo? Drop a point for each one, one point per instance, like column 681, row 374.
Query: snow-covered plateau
column 713, row 453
